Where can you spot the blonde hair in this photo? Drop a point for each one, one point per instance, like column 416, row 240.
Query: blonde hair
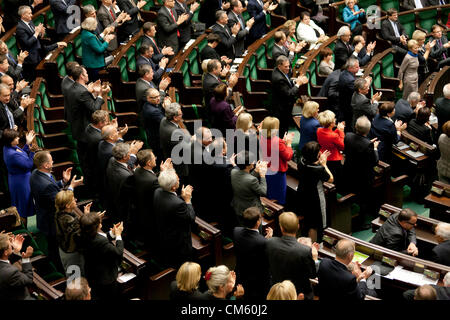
column 270, row 124
column 412, row 43
column 288, row 24
column 89, row 24
column 244, row 121
column 217, row 277
column 419, row 35
column 282, row 291
column 326, row 118
column 346, row 2
column 289, row 222
column 188, row 276
column 309, row 109
column 62, row 199
column 205, row 65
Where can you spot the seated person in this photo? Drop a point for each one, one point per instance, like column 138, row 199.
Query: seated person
column 336, row 281
column 420, row 127
column 185, row 287
column 397, row 233
column 394, row 32
column 353, row 15
column 326, row 65
column 440, row 51
column 405, row 109
column 308, row 31
column 441, row 252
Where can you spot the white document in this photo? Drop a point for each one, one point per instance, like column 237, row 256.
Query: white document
column 401, row 145
column 411, row 277
column 238, row 60
column 126, row 277
column 414, row 154
column 188, row 44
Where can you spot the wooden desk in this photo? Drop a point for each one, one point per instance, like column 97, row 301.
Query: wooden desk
column 439, row 205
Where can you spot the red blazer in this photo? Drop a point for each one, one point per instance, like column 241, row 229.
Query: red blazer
column 332, row 141
column 285, row 153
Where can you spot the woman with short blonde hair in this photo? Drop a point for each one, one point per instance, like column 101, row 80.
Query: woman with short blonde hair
column 282, row 291
column 220, row 281
column 185, row 287
column 246, row 138
column 308, row 124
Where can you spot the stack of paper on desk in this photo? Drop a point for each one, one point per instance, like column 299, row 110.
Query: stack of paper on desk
column 407, row 276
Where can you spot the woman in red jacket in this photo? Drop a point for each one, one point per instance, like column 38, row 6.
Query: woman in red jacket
column 333, row 141
column 277, row 152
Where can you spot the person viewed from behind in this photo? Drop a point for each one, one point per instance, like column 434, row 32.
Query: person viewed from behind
column 443, row 164
column 283, row 291
column 308, row 123
column 77, row 289
column 420, row 126
column 185, row 287
column 441, row 253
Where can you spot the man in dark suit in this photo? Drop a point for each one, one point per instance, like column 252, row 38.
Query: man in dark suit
column 93, row 133
column 279, row 49
column 290, row 260
column 361, row 156
column 252, row 267
column 336, row 282
column 83, row 100
column 152, row 114
column 394, row 32
column 15, row 63
column 149, row 30
column 168, row 23
column 413, row 4
column 258, row 10
column 173, row 135
column 66, row 84
column 62, row 15
column 131, row 26
column 437, row 2
column 28, row 36
column 10, row 11
column 185, row 28
column 235, row 17
column 11, row 116
column 365, row 53
column 330, row 90
column 441, row 252
column 208, row 10
column 361, row 105
column 442, row 109
column 108, row 18
column 440, row 50
column 405, row 109
column 145, row 57
column 14, row 282
column 17, row 99
column 174, row 217
column 284, row 93
column 442, row 292
column 102, row 256
column 343, row 48
column 145, row 82
column 346, row 87
column 398, row 233
column 226, row 46
column 44, row 188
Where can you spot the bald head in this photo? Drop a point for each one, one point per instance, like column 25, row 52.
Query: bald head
column 345, row 249
column 425, row 292
column 109, row 133
column 8, row 81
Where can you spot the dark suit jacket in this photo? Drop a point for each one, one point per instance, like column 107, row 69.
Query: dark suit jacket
column 209, row 84
column 242, row 34
column 157, row 70
column 385, row 131
column 363, row 57
column 14, row 70
column 152, row 116
column 387, row 32
column 342, row 53
column 13, row 283
column 392, row 236
column 252, row 266
column 102, row 260
column 174, row 218
column 141, row 88
column 441, row 253
column 44, row 190
column 277, row 51
column 93, row 138
column 132, row 26
column 185, row 27
column 83, row 105
column 290, row 260
column 361, row 106
column 420, row 131
column 157, row 55
column 438, row 50
column 106, row 20
column 207, row 12
column 167, row 29
column 116, row 174
column 209, row 53
column 259, row 28
column 360, row 158
column 18, row 115
column 331, row 91
column 284, row 94
column 337, row 283
column 403, row 111
column 442, row 111
column 27, row 41
column 226, row 46
column 66, row 84
column 443, row 293
column 411, row 5
column 61, row 15
column 346, row 87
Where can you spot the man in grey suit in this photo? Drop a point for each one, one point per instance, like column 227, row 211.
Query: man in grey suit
column 248, row 184
column 145, row 82
column 168, row 23
column 405, row 109
column 234, row 17
column 290, row 260
column 108, row 18
column 361, row 105
column 66, row 84
column 173, row 133
column 440, row 51
column 14, row 282
column 15, row 63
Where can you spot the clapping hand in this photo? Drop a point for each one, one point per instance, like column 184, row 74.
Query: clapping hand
column 269, row 233
column 261, row 168
column 28, row 253
column 235, row 28
column 341, row 126
column 123, row 131
column 66, row 174
column 194, row 6
column 87, row 208
column 288, row 137
column 29, row 137
column 20, row 85
column 376, row 142
column 17, row 242
column 21, row 57
column 250, row 22
column 117, row 229
column 323, row 156
column 164, row 83
column 167, row 51
column 75, row 183
column 166, row 165
column 186, row 193
column 399, row 125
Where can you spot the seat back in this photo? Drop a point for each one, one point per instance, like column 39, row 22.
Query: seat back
column 408, row 21
column 387, row 64
column 185, row 74
column 261, row 57
column 388, row 4
column 123, row 69
column 427, row 19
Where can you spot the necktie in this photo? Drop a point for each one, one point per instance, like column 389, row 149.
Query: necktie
column 156, row 46
column 178, row 31
column 289, row 80
column 442, row 2
column 112, row 13
column 11, row 59
column 443, row 53
column 134, row 5
column 10, row 117
column 31, row 26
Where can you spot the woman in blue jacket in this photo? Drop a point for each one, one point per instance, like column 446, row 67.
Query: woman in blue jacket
column 355, row 16
column 93, row 48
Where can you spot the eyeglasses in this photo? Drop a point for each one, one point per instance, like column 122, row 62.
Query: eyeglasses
column 412, row 224
column 155, row 97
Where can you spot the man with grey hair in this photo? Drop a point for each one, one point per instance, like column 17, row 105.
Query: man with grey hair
column 284, row 93
column 336, row 282
column 405, row 109
column 174, row 217
column 173, row 134
column 441, row 252
column 361, row 105
column 361, row 156
column 168, row 23
column 343, row 48
column 117, row 172
column 226, row 46
column 442, row 110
